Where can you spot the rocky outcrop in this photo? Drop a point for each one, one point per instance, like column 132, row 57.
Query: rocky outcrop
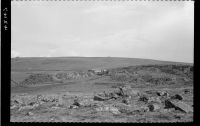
column 73, row 75
column 38, row 78
column 154, row 74
column 177, row 97
column 178, row 105
column 122, row 101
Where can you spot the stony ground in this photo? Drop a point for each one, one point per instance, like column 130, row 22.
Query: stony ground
column 151, row 93
column 123, row 104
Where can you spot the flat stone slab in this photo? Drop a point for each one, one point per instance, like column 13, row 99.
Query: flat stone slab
column 182, row 106
column 99, row 98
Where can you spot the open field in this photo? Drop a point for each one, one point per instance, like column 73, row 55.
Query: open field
column 133, row 90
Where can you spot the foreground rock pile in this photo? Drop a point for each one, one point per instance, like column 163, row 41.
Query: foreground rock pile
column 123, row 101
column 163, row 100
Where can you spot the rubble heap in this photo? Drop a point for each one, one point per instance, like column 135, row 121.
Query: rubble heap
column 37, row 79
column 73, row 75
column 153, row 74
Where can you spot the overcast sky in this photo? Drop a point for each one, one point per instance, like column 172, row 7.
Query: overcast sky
column 137, row 29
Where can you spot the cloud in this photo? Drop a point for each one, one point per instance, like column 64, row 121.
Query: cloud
column 126, row 29
column 14, row 53
column 108, row 10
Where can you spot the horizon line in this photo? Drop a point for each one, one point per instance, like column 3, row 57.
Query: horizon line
column 100, row 57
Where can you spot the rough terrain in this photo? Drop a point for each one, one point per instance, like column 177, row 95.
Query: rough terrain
column 147, row 92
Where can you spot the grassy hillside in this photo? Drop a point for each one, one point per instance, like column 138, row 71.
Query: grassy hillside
column 77, row 63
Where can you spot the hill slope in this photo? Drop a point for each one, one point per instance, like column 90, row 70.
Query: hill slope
column 77, row 63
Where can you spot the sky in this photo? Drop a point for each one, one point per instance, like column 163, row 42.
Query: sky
column 135, row 29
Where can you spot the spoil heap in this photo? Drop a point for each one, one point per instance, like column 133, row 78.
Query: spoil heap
column 37, row 79
column 73, row 75
column 154, row 74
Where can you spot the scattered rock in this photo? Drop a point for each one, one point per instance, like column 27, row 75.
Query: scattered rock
column 13, row 107
column 123, row 108
column 114, row 110
column 166, row 110
column 29, row 114
column 35, row 105
column 151, row 92
column 169, row 104
column 16, row 102
column 154, row 107
column 76, row 102
column 144, row 109
column 183, row 106
column 187, row 91
column 178, row 106
column 23, row 94
column 114, row 95
column 144, row 98
column 122, row 95
column 48, row 98
column 127, row 90
column 177, row 96
column 73, row 106
column 54, row 107
column 25, row 108
column 154, row 100
column 105, row 94
column 52, row 119
column 177, row 116
column 126, row 101
column 108, row 108
column 117, row 91
column 100, row 98
column 99, row 109
column 86, row 102
column 121, row 92
column 83, row 102
column 31, row 103
column 163, row 93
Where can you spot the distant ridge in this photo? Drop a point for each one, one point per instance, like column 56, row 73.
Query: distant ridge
column 102, row 57
column 79, row 63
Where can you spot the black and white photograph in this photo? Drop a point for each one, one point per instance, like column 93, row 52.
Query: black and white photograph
column 126, row 61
